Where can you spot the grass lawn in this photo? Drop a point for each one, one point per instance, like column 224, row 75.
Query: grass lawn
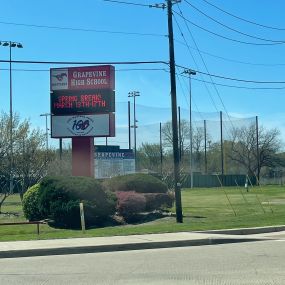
column 203, row 209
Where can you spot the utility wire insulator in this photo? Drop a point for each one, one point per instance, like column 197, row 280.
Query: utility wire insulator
column 160, row 6
column 163, row 5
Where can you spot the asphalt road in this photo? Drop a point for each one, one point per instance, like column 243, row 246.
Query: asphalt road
column 245, row 263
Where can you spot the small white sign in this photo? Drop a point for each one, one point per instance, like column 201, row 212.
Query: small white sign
column 80, row 125
column 107, row 168
column 59, row 79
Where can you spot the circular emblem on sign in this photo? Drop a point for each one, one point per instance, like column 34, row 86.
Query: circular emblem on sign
column 80, row 125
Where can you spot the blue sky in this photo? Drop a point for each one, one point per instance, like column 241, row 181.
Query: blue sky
column 27, row 21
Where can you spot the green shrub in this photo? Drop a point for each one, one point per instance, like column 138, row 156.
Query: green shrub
column 65, row 214
column 60, row 197
column 140, row 183
column 31, row 203
column 157, row 201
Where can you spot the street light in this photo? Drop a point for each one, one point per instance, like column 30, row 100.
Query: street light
column 134, row 94
column 190, row 72
column 11, row 45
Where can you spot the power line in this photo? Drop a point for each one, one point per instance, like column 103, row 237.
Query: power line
column 134, row 63
column 232, row 29
column 212, row 99
column 243, row 19
column 224, row 37
column 81, row 29
column 127, row 3
column 121, row 69
column 240, row 87
column 235, row 79
column 158, row 69
column 242, row 80
column 139, row 34
column 241, row 62
column 87, row 63
column 232, row 60
column 209, row 93
column 215, row 87
column 218, row 76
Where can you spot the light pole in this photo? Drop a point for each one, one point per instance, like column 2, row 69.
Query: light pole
column 11, row 45
column 134, row 94
column 129, row 123
column 190, row 72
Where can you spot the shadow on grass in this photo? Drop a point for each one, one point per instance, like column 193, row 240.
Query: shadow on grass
column 195, row 217
column 9, row 214
column 136, row 219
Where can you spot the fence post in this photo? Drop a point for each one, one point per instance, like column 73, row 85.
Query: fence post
column 205, row 147
column 82, row 217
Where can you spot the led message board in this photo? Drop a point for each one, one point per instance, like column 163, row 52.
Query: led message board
column 96, row 101
column 83, row 78
column 99, row 125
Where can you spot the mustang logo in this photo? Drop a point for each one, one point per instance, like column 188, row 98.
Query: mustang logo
column 60, row 76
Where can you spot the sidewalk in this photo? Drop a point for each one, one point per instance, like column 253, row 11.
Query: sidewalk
column 135, row 242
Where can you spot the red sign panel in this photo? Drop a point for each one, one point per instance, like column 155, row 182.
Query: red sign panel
column 83, row 78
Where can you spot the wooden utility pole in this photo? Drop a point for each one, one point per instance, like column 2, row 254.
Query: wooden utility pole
column 175, row 144
column 177, row 184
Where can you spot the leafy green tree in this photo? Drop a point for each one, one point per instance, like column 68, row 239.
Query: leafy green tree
column 30, row 155
column 29, row 159
column 5, row 158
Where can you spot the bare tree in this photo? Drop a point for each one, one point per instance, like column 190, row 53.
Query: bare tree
column 197, row 146
column 149, row 156
column 197, row 141
column 168, row 138
column 244, row 148
column 60, row 165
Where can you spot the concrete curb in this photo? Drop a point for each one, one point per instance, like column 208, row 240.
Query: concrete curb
column 247, row 231
column 120, row 247
column 135, row 242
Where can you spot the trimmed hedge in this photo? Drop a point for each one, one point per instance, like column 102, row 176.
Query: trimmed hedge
column 157, row 201
column 65, row 214
column 140, row 183
column 129, row 204
column 60, row 197
column 31, row 203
